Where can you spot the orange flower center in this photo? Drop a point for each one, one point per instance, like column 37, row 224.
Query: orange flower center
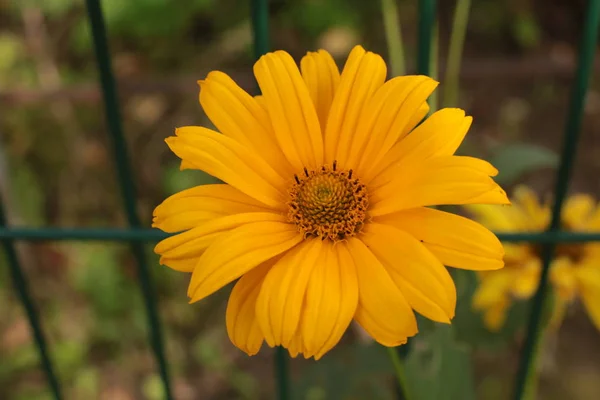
column 328, row 203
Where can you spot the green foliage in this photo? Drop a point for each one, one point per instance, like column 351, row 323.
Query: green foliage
column 468, row 325
column 347, row 372
column 26, row 188
column 315, row 16
column 151, row 18
column 153, row 388
column 99, row 276
column 69, row 356
column 438, row 367
column 515, row 160
column 175, row 180
column 87, row 383
column 526, row 30
column 209, row 352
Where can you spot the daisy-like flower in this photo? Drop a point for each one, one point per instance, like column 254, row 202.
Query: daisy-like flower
column 323, row 214
column 575, row 269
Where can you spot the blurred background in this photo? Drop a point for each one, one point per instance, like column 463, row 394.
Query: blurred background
column 57, row 170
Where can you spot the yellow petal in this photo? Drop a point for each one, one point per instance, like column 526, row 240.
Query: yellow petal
column 442, row 180
column 382, row 311
column 526, row 278
column 238, row 115
column 387, row 118
column 499, row 218
column 290, row 109
column 281, row 299
column 242, row 327
column 296, row 346
column 559, row 309
column 422, row 279
column 536, row 215
column 181, row 252
column 577, row 211
column 322, row 77
column 439, row 135
column 226, row 159
column 495, row 316
column 456, row 241
column 589, row 283
column 191, row 207
column 237, row 252
column 493, row 287
column 363, row 74
column 330, row 303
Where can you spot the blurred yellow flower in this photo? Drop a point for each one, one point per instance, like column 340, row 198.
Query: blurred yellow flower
column 575, row 269
column 322, row 215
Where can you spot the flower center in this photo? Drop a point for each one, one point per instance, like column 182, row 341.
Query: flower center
column 328, row 203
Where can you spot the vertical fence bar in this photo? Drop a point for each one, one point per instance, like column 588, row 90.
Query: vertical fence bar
column 260, row 27
column 21, row 286
column 571, row 136
column 126, row 182
column 427, row 13
column 427, row 20
column 260, row 31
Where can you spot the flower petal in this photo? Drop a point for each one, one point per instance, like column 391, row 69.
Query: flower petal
column 439, row 135
column 421, row 278
column 456, row 241
column 382, row 309
column 577, row 211
column 233, row 163
column 588, row 276
column 363, row 74
column 290, row 109
column 495, row 316
column 239, row 116
column 242, row 327
column 535, row 216
column 442, row 180
column 322, row 77
column 499, row 218
column 181, row 252
column 281, row 299
column 191, row 207
column 330, row 302
column 493, row 287
column 387, row 118
column 237, row 252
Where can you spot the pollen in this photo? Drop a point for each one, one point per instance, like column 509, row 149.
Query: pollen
column 328, row 203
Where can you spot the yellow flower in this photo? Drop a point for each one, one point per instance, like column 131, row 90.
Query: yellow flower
column 574, row 272
column 323, row 212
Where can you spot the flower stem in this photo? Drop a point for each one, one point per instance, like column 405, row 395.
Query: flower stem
column 393, row 34
column 457, row 41
column 399, row 370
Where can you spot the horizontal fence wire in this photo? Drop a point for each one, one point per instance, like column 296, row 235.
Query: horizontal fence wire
column 154, row 235
column 126, row 183
column 572, row 133
column 22, row 288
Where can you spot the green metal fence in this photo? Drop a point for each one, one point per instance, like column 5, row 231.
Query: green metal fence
column 136, row 234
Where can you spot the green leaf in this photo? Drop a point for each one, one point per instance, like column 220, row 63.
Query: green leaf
column 468, row 323
column 515, row 160
column 438, row 367
column 351, row 371
column 175, row 180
